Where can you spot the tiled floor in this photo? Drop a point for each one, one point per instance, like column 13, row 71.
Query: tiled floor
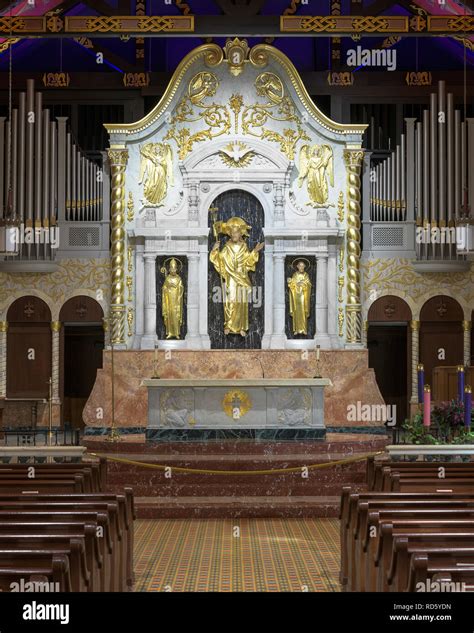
column 237, row 555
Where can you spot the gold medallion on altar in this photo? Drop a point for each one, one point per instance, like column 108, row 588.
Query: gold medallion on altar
column 236, row 403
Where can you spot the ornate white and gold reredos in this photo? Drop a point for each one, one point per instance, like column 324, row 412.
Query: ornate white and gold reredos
column 235, row 117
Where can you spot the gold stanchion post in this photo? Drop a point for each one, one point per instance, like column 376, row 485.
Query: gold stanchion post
column 114, row 435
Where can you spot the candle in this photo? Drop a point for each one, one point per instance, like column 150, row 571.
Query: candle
column 467, row 406
column 427, row 406
column 421, row 382
column 317, row 352
column 460, row 383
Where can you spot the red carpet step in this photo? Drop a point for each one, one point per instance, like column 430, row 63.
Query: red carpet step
column 174, row 494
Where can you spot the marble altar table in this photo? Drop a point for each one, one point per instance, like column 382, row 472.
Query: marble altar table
column 260, row 408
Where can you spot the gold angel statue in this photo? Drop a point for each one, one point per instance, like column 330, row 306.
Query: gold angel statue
column 316, row 166
column 233, row 263
column 299, row 286
column 156, row 171
column 172, row 294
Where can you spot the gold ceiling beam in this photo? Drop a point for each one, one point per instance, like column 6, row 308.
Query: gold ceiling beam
column 380, row 24
column 133, row 25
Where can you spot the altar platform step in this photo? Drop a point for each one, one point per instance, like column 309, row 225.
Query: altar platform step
column 236, row 507
column 336, row 443
column 229, row 495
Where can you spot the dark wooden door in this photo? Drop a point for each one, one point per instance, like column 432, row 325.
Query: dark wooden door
column 28, row 348
column 438, row 340
column 29, row 360
column 441, row 334
column 387, row 345
column 83, row 347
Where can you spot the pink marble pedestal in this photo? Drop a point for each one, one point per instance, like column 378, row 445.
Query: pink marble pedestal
column 348, row 370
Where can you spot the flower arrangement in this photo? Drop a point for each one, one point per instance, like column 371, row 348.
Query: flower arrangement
column 447, row 426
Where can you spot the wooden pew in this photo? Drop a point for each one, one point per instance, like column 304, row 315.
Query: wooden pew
column 365, row 542
column 42, row 541
column 349, row 513
column 457, row 545
column 430, row 484
column 430, row 469
column 97, row 470
column 54, row 569
column 26, row 557
column 379, row 550
column 74, row 484
column 107, row 544
column 424, row 567
column 126, row 517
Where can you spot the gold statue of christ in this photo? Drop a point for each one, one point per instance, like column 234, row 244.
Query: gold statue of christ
column 233, row 263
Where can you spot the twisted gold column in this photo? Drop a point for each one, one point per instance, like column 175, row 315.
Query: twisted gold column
column 3, row 358
column 415, row 358
column 118, row 162
column 466, row 325
column 353, row 161
column 55, row 329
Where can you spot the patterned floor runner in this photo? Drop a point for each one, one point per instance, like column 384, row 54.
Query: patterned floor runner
column 237, row 555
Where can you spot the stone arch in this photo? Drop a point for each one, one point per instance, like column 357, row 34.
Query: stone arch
column 265, row 199
column 389, row 308
column 441, row 337
column 19, row 295
column 368, row 303
column 82, row 309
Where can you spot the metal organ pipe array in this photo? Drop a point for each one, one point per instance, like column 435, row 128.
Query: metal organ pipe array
column 45, row 178
column 438, row 160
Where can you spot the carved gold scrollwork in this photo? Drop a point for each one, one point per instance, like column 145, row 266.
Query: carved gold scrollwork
column 340, row 207
column 214, row 55
column 194, row 107
column 258, row 56
column 278, row 107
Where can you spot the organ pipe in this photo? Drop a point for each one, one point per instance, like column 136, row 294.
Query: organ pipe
column 419, row 173
column 441, row 153
column 21, row 154
column 7, row 165
column 433, row 157
column 457, row 163
column 30, row 150
column 450, row 157
column 2, row 167
column 442, row 156
column 14, row 157
column 426, row 171
column 463, row 163
column 46, row 181
column 53, row 172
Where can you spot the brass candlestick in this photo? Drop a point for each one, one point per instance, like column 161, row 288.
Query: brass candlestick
column 155, row 375
column 318, row 367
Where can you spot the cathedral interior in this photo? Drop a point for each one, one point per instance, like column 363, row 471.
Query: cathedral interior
column 236, row 301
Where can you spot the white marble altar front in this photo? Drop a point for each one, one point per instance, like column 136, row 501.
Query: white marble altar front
column 260, row 408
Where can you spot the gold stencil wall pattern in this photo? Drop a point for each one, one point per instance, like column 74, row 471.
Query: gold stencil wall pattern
column 72, row 277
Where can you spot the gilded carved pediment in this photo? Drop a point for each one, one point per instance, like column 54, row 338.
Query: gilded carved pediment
column 242, row 111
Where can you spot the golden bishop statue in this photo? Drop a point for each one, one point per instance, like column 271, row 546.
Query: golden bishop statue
column 172, row 294
column 300, row 294
column 233, row 263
